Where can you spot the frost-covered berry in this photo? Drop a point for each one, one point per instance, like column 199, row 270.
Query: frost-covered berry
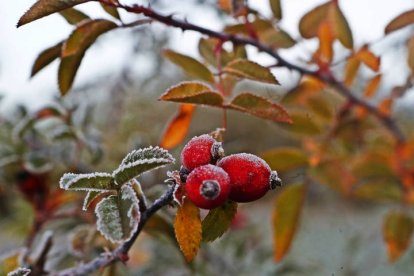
column 201, row 150
column 250, row 176
column 208, row 186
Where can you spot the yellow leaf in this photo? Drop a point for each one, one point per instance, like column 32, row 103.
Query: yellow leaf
column 372, row 86
column 303, row 124
column 187, row 228
column 250, row 70
column 400, row 21
column 397, row 231
column 286, row 214
column 351, row 70
column 341, row 26
column 276, row 8
column 177, row 128
column 410, row 59
column 285, row 159
column 260, row 107
column 308, row 88
column 309, row 23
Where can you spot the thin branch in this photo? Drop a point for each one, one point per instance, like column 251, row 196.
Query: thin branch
column 121, row 252
column 169, row 20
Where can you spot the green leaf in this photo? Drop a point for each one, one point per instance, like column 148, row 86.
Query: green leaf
column 402, row 20
column 118, row 215
column 207, row 49
column 276, row 8
column 75, row 47
column 87, row 182
column 286, row 214
column 260, row 107
column 37, row 161
column 309, row 23
column 192, row 92
column 112, row 11
column 43, row 8
column 285, row 159
column 218, row 220
column 303, row 124
column 397, row 231
column 379, row 190
column 191, row 66
column 73, row 16
column 46, row 57
column 277, row 38
column 21, row 271
column 139, row 161
column 342, row 30
column 250, row 70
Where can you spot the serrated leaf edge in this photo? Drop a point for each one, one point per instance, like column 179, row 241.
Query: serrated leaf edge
column 76, row 177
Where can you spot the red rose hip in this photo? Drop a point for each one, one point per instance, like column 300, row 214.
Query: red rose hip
column 208, row 186
column 250, row 176
column 199, row 151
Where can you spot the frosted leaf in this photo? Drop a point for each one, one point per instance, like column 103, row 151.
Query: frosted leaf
column 21, row 127
column 87, row 182
column 21, row 271
column 140, row 161
column 91, row 196
column 147, row 153
column 118, row 215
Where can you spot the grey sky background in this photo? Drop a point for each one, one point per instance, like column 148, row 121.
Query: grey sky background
column 19, row 47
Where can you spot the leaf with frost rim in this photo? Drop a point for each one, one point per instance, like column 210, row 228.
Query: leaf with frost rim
column 140, row 161
column 79, row 182
column 44, row 8
column 112, row 227
column 192, row 92
column 283, row 116
column 21, row 271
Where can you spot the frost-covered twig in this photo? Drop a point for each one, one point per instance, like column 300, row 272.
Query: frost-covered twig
column 121, row 252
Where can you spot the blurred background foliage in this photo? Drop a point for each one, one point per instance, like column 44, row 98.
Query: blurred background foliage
column 93, row 127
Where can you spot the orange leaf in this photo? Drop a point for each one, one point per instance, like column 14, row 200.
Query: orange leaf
column 397, row 230
column 368, row 58
column 386, row 105
column 187, row 228
column 326, row 38
column 286, row 215
column 178, row 127
column 400, row 21
column 372, row 86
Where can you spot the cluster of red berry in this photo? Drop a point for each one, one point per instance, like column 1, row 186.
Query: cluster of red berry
column 210, row 178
